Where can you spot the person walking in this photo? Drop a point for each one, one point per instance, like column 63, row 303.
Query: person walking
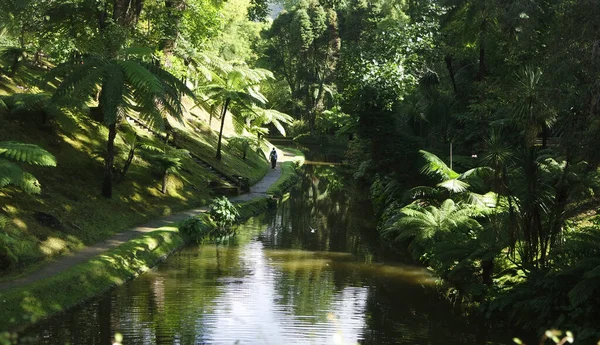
column 273, row 157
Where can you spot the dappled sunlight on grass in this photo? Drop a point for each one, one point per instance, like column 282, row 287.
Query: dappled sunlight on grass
column 53, row 245
column 19, row 223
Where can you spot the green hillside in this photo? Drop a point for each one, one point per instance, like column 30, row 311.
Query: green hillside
column 70, row 211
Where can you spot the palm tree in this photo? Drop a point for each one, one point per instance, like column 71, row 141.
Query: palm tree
column 238, row 86
column 260, row 117
column 11, row 154
column 125, row 83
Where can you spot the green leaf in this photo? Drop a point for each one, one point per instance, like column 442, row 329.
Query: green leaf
column 27, row 153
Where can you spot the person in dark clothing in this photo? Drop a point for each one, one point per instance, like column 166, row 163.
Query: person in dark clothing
column 273, row 157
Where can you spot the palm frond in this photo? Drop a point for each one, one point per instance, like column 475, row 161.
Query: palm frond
column 10, row 173
column 454, row 185
column 436, row 167
column 29, row 184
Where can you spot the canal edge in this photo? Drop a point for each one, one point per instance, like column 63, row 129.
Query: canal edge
column 30, row 304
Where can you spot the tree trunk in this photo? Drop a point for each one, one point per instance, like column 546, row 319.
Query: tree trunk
column 451, row 72
column 487, row 268
column 127, row 12
column 174, row 14
column 164, row 182
column 108, row 161
column 221, row 130
column 481, row 73
column 127, row 163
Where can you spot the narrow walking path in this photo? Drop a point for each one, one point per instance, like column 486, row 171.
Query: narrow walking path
column 65, row 262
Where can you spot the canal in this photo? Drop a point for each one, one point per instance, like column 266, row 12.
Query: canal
column 310, row 272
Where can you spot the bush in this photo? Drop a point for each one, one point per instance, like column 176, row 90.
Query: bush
column 198, row 228
column 223, row 212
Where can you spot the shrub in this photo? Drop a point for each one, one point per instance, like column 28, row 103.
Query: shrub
column 223, row 212
column 198, row 228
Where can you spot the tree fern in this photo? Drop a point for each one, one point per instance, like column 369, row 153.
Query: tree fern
column 27, row 153
column 125, row 84
column 12, row 153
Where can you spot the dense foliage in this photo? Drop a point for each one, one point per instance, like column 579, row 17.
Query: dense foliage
column 473, row 122
column 504, row 97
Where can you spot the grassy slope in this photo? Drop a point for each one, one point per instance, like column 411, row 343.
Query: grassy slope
column 71, row 191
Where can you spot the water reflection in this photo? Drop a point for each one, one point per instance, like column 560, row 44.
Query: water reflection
column 307, row 273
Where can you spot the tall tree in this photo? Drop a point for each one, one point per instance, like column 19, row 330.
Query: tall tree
column 304, row 47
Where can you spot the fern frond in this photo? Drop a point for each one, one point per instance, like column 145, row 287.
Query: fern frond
column 10, row 173
column 29, row 184
column 27, row 153
column 584, row 290
column 454, row 185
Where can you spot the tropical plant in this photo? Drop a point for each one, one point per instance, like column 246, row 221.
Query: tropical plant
column 451, row 183
column 169, row 162
column 11, row 154
column 133, row 141
column 124, row 84
column 240, row 87
column 198, row 228
column 242, row 143
column 39, row 104
column 11, row 58
column 223, row 212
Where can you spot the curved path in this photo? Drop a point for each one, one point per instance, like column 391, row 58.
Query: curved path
column 67, row 261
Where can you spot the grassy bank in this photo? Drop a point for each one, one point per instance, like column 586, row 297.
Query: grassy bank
column 24, row 306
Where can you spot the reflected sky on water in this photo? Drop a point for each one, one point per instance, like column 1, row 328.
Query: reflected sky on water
column 310, row 272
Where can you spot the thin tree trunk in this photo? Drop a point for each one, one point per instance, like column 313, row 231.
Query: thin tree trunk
column 127, row 163
column 108, row 161
column 221, row 130
column 481, row 73
column 487, row 270
column 164, row 182
column 451, row 72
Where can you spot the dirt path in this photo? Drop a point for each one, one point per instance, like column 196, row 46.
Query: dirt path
column 67, row 261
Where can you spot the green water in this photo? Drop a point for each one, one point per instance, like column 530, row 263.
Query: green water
column 310, row 272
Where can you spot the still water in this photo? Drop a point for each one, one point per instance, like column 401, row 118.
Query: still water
column 310, row 272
